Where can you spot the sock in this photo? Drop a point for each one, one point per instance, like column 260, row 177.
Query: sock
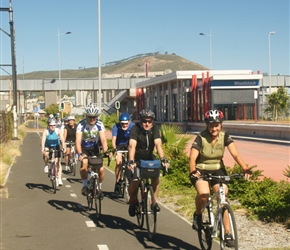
column 100, row 185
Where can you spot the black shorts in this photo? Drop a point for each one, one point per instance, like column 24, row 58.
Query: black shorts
column 56, row 153
column 91, row 151
column 122, row 147
column 221, row 172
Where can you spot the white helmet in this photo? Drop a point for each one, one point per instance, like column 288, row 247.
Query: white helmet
column 71, row 117
column 52, row 122
column 92, row 110
column 51, row 116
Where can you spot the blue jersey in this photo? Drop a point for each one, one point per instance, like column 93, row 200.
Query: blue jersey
column 52, row 139
column 122, row 136
column 90, row 133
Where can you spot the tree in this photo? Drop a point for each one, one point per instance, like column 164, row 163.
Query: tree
column 277, row 103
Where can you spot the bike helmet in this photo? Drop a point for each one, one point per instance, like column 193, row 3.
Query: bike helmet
column 52, row 122
column 50, row 116
column 71, row 117
column 212, row 116
column 146, row 113
column 124, row 117
column 92, row 110
column 57, row 115
column 65, row 119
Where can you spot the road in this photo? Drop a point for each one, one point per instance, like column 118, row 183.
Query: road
column 35, row 218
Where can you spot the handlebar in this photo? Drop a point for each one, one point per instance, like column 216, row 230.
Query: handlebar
column 104, row 155
column 209, row 177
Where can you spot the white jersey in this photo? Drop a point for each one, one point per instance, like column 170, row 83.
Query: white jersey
column 90, row 135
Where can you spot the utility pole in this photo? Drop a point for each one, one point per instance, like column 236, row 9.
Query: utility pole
column 13, row 64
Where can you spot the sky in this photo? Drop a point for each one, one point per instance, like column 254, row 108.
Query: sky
column 239, row 33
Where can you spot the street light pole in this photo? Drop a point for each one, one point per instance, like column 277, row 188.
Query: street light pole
column 99, row 57
column 59, row 68
column 270, row 73
column 210, row 46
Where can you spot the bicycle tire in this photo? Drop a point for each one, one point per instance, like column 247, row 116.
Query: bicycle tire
column 90, row 200
column 126, row 191
column 73, row 164
column 98, row 200
column 53, row 177
column 139, row 211
column 233, row 227
column 122, row 181
column 150, row 212
column 204, row 233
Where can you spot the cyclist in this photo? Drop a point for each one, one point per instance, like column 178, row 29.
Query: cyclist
column 58, row 120
column 144, row 137
column 120, row 140
column 206, row 157
column 69, row 135
column 51, row 138
column 90, row 133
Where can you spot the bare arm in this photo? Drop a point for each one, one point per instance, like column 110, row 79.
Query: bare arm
column 43, row 139
column 114, row 138
column 158, row 145
column 103, row 141
column 78, row 142
column 132, row 149
column 64, row 134
column 235, row 154
column 192, row 159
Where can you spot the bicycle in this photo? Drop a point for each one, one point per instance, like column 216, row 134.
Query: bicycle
column 212, row 223
column 146, row 203
column 72, row 158
column 123, row 191
column 94, row 193
column 52, row 173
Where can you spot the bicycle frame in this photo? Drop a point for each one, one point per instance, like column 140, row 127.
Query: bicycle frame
column 213, row 222
column 72, row 161
column 52, row 168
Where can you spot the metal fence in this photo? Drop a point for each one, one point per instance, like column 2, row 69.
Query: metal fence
column 6, row 126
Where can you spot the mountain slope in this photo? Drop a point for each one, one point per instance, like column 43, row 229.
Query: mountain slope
column 155, row 63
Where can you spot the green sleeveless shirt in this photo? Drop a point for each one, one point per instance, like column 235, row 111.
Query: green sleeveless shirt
column 210, row 157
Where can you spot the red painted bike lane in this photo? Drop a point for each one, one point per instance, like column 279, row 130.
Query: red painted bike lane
column 271, row 158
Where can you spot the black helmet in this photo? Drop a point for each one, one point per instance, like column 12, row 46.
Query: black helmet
column 214, row 116
column 146, row 113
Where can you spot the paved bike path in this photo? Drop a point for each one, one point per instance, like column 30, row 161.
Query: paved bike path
column 35, row 218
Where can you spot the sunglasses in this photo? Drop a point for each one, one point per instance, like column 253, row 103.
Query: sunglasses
column 147, row 121
column 122, row 123
column 92, row 117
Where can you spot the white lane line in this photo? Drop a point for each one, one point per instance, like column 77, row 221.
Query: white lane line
column 90, row 223
column 73, row 195
column 103, row 247
column 67, row 186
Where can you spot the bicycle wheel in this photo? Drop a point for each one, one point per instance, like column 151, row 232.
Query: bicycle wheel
column 73, row 164
column 151, row 214
column 140, row 206
column 53, row 177
column 233, row 243
column 204, row 233
column 126, row 192
column 98, row 198
column 90, row 196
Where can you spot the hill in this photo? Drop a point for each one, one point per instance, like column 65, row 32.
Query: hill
column 135, row 64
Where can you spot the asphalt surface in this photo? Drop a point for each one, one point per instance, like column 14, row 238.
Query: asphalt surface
column 33, row 217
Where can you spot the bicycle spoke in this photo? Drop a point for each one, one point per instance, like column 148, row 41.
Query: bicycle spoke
column 139, row 209
column 150, row 213
column 204, row 233
column 233, row 243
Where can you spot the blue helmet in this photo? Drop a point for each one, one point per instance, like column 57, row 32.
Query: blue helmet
column 124, row 117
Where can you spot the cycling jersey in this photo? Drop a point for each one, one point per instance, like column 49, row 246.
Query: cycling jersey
column 71, row 133
column 122, row 136
column 58, row 123
column 210, row 157
column 90, row 133
column 145, row 141
column 52, row 139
